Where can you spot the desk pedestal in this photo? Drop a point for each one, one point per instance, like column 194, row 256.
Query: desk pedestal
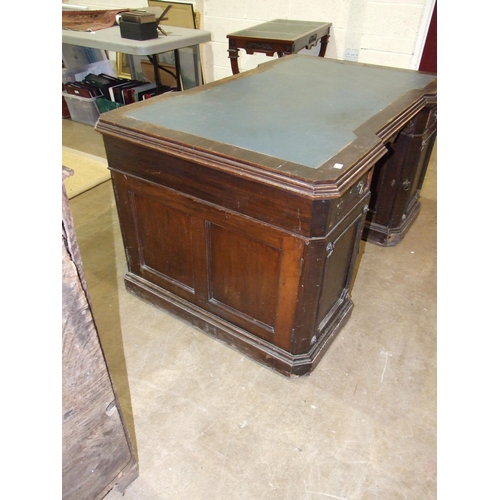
column 228, row 255
column 398, row 179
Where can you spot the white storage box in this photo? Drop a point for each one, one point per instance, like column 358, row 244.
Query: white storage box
column 82, row 109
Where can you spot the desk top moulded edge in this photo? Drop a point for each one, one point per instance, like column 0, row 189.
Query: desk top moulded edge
column 327, row 181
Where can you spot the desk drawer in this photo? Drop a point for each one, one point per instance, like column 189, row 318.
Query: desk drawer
column 424, row 124
column 340, row 207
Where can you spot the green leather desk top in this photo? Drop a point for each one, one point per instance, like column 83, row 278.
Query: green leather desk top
column 299, row 109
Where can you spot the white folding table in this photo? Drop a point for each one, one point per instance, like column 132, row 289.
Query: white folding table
column 110, row 39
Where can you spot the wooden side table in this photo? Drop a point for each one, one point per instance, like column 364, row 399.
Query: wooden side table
column 281, row 36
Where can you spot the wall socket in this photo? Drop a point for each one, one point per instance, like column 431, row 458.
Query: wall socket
column 351, row 54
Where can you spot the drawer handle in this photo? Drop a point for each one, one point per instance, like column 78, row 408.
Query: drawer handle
column 329, row 249
column 406, row 185
column 358, row 187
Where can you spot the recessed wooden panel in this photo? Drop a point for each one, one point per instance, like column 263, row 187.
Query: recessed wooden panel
column 244, row 274
column 164, row 240
column 340, row 254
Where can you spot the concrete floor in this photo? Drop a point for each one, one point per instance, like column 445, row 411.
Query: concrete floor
column 209, row 423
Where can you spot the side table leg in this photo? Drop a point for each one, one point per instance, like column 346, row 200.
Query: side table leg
column 233, row 57
column 156, row 72
column 324, row 42
column 178, row 71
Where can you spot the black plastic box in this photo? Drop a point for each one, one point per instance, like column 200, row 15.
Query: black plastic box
column 138, row 31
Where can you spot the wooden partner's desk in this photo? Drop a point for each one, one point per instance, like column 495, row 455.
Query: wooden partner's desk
column 242, row 210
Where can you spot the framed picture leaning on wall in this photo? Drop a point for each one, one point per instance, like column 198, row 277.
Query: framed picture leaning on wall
column 178, row 14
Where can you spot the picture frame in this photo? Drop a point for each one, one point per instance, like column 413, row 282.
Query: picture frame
column 122, row 66
column 180, row 14
column 183, row 15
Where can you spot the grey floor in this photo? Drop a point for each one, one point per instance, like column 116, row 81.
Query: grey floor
column 208, row 423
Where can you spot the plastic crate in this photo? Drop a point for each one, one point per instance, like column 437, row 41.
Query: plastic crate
column 78, row 74
column 82, row 109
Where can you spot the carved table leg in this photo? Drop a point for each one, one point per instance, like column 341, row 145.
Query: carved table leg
column 324, row 42
column 233, row 57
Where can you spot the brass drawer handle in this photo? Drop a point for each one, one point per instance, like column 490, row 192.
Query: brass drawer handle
column 329, row 249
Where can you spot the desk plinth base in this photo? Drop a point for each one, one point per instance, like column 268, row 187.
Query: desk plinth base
column 390, row 236
column 257, row 349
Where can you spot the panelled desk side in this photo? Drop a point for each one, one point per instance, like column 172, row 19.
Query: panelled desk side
column 242, row 213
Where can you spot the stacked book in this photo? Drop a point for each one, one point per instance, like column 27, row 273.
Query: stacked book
column 138, row 25
column 118, row 91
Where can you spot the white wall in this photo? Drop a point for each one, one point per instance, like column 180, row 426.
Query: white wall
column 385, row 32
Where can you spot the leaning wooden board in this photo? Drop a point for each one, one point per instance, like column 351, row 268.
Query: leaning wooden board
column 97, row 454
